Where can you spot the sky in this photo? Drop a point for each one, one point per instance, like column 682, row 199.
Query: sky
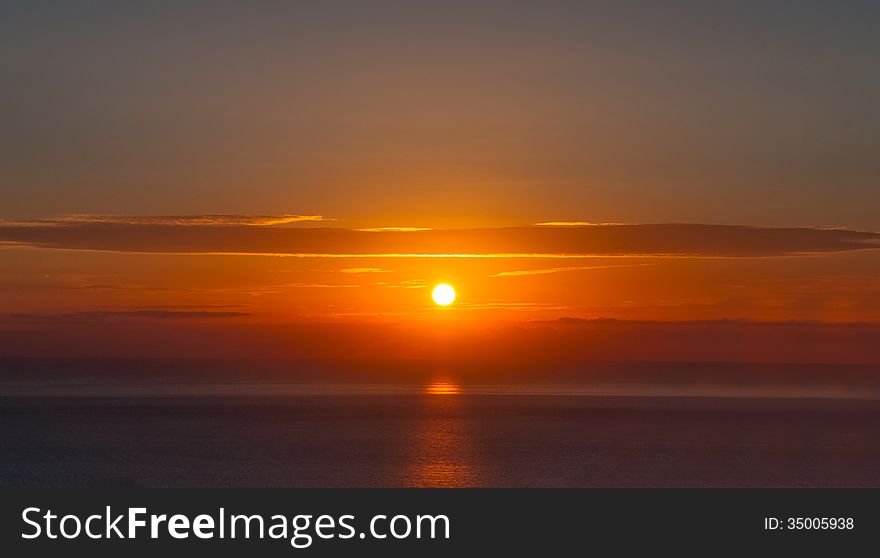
column 207, row 170
column 444, row 113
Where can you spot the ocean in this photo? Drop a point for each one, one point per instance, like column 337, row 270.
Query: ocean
column 440, row 436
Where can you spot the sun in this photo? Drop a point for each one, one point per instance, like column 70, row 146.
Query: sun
column 443, row 294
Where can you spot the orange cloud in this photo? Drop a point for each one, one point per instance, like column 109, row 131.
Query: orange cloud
column 394, row 229
column 546, row 271
column 679, row 240
column 365, row 270
column 574, row 224
column 179, row 220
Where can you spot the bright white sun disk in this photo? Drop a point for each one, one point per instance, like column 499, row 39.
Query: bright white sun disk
column 443, row 294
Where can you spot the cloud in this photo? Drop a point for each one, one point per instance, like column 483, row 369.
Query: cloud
column 394, row 229
column 658, row 240
column 320, row 286
column 275, row 289
column 574, row 224
column 177, row 220
column 365, row 270
column 542, row 350
column 127, row 287
column 150, row 314
column 406, row 284
column 545, row 271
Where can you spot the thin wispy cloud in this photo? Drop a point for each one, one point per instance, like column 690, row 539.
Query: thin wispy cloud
column 575, row 224
column 545, row 271
column 524, row 306
column 148, row 314
column 356, row 270
column 180, row 220
column 406, row 284
column 394, row 229
column 128, row 287
column 268, row 290
column 320, row 286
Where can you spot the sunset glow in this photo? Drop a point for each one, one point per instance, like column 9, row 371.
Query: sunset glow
column 443, row 387
column 538, row 230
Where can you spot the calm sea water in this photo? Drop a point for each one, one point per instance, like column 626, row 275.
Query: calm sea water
column 439, row 438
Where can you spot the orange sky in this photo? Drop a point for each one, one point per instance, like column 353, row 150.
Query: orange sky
column 170, row 172
column 259, row 272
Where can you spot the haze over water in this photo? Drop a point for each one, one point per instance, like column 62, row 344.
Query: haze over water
column 438, row 434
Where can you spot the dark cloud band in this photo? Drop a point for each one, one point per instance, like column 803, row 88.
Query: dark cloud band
column 698, row 240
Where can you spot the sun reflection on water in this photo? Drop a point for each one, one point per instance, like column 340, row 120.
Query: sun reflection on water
column 442, row 387
column 441, row 453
